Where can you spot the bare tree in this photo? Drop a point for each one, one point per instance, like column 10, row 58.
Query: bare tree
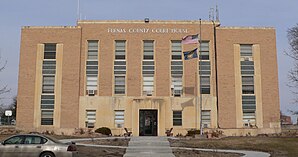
column 3, row 89
column 293, row 73
column 12, row 107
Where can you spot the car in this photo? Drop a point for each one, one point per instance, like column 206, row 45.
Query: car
column 36, row 145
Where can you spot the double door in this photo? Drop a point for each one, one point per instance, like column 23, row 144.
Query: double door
column 148, row 123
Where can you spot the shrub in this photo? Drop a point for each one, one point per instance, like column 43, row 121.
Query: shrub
column 193, row 132
column 216, row 133
column 104, row 131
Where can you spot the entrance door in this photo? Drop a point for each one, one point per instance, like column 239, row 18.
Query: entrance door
column 148, row 123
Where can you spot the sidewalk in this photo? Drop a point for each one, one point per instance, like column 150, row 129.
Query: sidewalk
column 155, row 146
column 149, row 147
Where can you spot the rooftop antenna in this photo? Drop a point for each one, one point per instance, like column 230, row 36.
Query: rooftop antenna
column 211, row 14
column 78, row 11
column 217, row 14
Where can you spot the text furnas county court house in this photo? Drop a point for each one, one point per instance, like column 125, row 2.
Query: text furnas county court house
column 148, row 77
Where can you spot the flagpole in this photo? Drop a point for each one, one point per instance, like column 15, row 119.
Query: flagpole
column 201, row 125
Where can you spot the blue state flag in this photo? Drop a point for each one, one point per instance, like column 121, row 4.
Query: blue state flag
column 190, row 54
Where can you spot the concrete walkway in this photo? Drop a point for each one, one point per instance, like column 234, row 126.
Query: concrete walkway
column 158, row 147
column 149, row 147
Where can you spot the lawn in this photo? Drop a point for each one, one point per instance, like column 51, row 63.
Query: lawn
column 276, row 146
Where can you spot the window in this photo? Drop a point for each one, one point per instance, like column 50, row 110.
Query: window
column 204, row 52
column 48, row 84
column 245, row 50
column 49, row 67
column 247, row 77
column 205, row 72
column 176, row 68
column 119, row 67
column 177, row 118
column 248, row 102
column 47, row 101
column 176, row 85
column 91, row 82
column 90, row 118
column 205, row 84
column 92, row 67
column 247, row 85
column 50, row 51
column 148, row 67
column 247, row 67
column 92, row 50
column 119, row 84
column 119, row 118
column 249, row 118
column 205, row 68
column 47, row 117
column 14, row 140
column 148, row 49
column 148, row 56
column 148, row 85
column 206, row 118
column 120, row 62
column 34, row 140
column 176, row 50
column 120, row 50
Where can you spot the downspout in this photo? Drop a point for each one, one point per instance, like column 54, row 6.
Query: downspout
column 216, row 75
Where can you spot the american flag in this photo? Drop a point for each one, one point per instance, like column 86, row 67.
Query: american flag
column 190, row 39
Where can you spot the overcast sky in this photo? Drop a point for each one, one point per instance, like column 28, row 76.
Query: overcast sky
column 17, row 13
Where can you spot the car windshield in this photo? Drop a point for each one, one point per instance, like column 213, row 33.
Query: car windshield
column 53, row 139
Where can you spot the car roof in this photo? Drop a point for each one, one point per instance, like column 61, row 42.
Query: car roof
column 40, row 135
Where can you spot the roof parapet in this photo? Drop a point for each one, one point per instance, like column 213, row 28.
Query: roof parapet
column 50, row 27
column 237, row 27
column 143, row 22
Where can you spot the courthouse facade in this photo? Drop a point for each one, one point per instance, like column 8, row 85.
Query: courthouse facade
column 132, row 74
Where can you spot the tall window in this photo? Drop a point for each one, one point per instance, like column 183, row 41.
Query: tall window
column 148, row 67
column 119, row 118
column 205, row 84
column 90, row 118
column 204, row 68
column 48, row 84
column 247, row 79
column 92, row 67
column 206, row 118
column 119, row 67
column 247, row 84
column 119, row 84
column 176, row 68
column 177, row 118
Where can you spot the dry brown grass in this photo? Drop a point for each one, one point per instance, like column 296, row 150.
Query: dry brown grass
column 276, row 146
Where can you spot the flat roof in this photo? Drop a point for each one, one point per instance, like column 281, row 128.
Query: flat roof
column 143, row 21
column 217, row 23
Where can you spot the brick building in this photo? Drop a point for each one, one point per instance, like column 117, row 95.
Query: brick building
column 132, row 74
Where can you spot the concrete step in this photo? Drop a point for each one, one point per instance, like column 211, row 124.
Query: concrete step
column 149, row 149
column 149, row 155
column 159, row 143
